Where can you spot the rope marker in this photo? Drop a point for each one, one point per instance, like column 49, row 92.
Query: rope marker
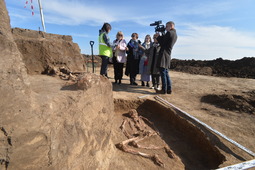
column 207, row 126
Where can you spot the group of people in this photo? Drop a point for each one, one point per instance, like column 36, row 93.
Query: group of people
column 151, row 58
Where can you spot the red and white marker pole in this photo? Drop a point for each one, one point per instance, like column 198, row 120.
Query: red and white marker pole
column 41, row 11
column 31, row 6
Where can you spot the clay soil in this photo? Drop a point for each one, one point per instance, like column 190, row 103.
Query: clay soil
column 225, row 104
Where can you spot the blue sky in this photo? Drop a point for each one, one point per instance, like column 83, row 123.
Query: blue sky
column 206, row 29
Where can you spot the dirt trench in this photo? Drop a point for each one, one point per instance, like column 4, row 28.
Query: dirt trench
column 191, row 148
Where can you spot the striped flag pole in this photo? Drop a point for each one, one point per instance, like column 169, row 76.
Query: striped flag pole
column 31, row 6
column 41, row 13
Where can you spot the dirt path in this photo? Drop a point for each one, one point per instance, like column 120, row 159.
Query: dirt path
column 190, row 93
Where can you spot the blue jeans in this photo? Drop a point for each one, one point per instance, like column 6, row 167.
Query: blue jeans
column 165, row 78
column 104, row 65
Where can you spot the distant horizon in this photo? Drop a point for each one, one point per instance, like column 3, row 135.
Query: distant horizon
column 206, row 29
column 213, row 59
column 189, row 59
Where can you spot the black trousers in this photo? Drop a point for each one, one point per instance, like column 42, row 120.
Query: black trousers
column 118, row 70
column 134, row 70
column 104, row 65
column 155, row 80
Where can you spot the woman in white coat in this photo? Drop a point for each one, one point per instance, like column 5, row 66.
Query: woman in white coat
column 119, row 56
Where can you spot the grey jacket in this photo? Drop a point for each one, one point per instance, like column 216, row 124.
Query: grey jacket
column 166, row 42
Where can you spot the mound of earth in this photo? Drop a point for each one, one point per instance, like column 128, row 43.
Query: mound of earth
column 45, row 53
column 42, row 124
column 243, row 68
column 240, row 103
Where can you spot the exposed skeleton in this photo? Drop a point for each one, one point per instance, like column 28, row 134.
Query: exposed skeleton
column 140, row 131
column 63, row 72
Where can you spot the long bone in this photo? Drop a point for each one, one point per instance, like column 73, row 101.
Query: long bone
column 141, row 132
column 123, row 146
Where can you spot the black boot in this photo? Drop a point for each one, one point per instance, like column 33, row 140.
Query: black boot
column 143, row 83
column 162, row 91
column 169, row 91
column 148, row 84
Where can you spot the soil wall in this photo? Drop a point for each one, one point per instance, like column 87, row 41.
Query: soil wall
column 44, row 125
column 48, row 53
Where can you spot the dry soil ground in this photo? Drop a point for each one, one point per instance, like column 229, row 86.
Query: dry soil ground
column 225, row 104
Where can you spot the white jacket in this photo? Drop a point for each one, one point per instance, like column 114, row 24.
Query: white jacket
column 120, row 53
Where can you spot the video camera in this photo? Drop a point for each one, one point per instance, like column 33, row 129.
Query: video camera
column 159, row 26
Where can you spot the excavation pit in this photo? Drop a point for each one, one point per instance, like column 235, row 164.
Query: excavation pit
column 191, row 148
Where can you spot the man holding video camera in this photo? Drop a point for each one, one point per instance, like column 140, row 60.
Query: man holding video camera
column 166, row 42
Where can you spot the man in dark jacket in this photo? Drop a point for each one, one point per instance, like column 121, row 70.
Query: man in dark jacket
column 166, row 42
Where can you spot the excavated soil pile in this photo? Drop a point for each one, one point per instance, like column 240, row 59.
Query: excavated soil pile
column 45, row 53
column 238, row 103
column 42, row 124
column 191, row 148
column 243, row 68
